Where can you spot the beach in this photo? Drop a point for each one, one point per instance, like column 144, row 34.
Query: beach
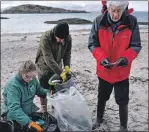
column 19, row 47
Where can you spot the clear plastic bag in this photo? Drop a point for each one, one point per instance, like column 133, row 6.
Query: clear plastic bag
column 71, row 110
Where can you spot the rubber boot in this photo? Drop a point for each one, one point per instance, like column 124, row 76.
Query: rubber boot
column 123, row 114
column 100, row 113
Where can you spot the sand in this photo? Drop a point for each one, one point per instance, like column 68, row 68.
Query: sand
column 16, row 48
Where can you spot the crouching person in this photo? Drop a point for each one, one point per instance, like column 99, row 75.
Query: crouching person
column 18, row 95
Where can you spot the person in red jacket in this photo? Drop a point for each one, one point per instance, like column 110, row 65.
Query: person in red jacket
column 114, row 42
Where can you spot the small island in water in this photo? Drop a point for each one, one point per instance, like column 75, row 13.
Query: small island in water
column 70, row 21
column 80, row 21
column 29, row 8
column 4, row 18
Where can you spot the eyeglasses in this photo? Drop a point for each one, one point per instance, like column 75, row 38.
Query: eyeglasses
column 29, row 77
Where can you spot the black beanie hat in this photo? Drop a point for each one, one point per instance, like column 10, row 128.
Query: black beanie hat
column 62, row 30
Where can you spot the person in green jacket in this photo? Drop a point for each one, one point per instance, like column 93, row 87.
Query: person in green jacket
column 19, row 93
column 54, row 48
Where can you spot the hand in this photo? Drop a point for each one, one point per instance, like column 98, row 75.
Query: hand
column 106, row 63
column 63, row 76
column 67, row 69
column 122, row 62
column 35, row 127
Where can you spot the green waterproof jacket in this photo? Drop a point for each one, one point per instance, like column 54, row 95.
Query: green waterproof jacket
column 18, row 98
column 51, row 53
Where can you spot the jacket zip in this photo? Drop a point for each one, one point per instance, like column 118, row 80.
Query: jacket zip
column 113, row 35
column 27, row 88
column 111, row 47
column 110, row 57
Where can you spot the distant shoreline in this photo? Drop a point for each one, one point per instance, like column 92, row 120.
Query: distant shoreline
column 45, row 13
column 71, row 12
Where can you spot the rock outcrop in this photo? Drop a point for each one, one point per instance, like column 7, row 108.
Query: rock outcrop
column 29, row 8
column 4, row 18
column 70, row 21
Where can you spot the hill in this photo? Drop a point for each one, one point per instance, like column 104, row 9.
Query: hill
column 29, row 8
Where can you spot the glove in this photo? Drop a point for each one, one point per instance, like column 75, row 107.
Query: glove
column 67, row 69
column 35, row 127
column 122, row 62
column 63, row 76
column 40, row 121
column 106, row 63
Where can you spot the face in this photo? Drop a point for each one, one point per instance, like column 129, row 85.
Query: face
column 59, row 40
column 27, row 77
column 115, row 13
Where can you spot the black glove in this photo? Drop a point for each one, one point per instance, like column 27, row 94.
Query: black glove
column 122, row 62
column 106, row 63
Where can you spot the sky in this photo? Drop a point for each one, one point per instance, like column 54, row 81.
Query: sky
column 86, row 5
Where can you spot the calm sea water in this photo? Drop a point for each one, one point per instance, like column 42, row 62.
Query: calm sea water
column 25, row 23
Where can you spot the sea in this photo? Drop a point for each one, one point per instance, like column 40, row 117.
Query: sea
column 30, row 23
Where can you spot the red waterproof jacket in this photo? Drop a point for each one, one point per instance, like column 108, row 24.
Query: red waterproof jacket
column 124, row 42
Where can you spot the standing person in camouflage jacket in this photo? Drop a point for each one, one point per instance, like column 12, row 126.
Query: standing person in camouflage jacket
column 55, row 46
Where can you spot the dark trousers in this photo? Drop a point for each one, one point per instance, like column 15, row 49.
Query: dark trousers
column 121, row 91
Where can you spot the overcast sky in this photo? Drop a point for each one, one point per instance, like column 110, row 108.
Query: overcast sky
column 137, row 5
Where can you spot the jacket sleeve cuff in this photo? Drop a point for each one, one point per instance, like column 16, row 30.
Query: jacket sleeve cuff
column 29, row 122
column 130, row 54
column 99, row 54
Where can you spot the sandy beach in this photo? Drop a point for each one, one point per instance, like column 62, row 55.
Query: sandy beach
column 16, row 48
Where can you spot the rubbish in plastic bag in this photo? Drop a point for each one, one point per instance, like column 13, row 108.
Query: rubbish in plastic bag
column 70, row 110
column 45, row 120
column 56, row 83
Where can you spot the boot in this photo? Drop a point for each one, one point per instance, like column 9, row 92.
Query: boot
column 123, row 114
column 100, row 113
